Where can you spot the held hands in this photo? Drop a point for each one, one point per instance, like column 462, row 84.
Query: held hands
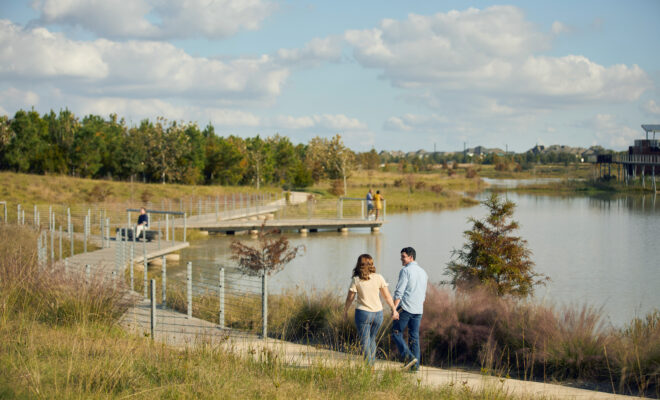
column 395, row 315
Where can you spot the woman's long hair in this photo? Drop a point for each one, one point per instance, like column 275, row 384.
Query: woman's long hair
column 364, row 267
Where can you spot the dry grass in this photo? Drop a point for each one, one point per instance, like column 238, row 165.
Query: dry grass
column 59, row 340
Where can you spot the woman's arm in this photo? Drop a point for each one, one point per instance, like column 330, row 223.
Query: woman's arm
column 349, row 300
column 388, row 299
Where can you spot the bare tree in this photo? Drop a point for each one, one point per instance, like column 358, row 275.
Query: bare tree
column 267, row 257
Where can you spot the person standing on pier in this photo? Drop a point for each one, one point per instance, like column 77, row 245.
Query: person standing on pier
column 409, row 297
column 378, row 200
column 370, row 204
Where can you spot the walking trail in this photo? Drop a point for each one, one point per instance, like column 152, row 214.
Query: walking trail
column 178, row 330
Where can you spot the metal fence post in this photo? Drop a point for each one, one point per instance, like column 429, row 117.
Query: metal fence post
column 264, row 304
column 71, row 239
column 164, row 280
column 61, row 243
column 153, row 308
column 144, row 259
column 189, row 288
column 117, row 250
column 184, row 227
column 52, row 245
column 167, row 227
column 221, row 298
column 85, row 235
column 88, row 273
column 132, row 262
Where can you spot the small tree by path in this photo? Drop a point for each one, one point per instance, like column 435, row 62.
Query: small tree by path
column 493, row 256
column 268, row 256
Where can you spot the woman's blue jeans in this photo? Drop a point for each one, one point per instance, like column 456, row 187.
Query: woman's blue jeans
column 367, row 324
column 409, row 350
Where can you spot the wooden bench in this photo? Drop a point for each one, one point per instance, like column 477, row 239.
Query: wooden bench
column 149, row 234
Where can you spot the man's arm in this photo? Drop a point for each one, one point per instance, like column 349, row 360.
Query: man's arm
column 400, row 287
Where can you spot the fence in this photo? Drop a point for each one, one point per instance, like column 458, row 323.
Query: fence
column 219, row 294
column 95, row 223
column 215, row 293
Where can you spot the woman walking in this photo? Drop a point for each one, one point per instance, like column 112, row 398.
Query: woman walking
column 368, row 285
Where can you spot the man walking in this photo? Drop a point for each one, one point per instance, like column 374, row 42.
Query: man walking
column 409, row 298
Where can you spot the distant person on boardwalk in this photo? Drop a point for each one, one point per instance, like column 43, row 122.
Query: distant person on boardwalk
column 370, row 204
column 142, row 223
column 367, row 284
column 409, row 297
column 378, row 200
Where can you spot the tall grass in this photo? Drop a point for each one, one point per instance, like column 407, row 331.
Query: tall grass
column 499, row 336
column 59, row 340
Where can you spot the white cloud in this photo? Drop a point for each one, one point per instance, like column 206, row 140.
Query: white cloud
column 151, row 19
column 136, row 110
column 15, row 98
column 558, row 28
column 610, row 132
column 651, row 108
column 326, row 122
column 38, row 53
column 139, row 69
column 578, row 78
column 315, row 51
column 491, row 52
column 418, row 123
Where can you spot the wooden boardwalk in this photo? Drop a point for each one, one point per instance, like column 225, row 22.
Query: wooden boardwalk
column 108, row 260
column 300, row 225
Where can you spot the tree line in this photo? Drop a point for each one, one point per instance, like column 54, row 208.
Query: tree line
column 167, row 151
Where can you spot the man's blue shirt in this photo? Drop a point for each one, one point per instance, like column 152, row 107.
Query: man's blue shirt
column 411, row 288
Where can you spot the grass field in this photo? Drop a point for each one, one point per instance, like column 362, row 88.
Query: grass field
column 59, row 339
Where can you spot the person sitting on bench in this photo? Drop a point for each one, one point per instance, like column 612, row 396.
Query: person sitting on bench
column 142, row 223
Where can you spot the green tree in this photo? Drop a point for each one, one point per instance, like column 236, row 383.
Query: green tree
column 285, row 159
column 493, row 256
column 88, row 147
column 259, row 161
column 224, row 160
column 27, row 150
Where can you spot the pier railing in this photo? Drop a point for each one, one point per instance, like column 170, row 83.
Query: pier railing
column 341, row 208
column 641, row 159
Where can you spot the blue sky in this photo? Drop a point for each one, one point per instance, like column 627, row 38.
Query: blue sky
column 388, row 75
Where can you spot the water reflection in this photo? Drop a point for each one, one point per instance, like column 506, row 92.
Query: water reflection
column 599, row 250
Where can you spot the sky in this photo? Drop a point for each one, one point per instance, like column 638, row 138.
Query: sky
column 388, row 75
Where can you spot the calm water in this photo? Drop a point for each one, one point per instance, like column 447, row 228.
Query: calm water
column 601, row 251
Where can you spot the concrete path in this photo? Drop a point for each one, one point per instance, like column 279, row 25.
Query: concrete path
column 176, row 329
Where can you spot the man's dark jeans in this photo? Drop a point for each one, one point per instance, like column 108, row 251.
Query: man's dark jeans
column 410, row 349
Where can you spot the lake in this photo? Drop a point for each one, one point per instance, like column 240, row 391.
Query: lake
column 601, row 251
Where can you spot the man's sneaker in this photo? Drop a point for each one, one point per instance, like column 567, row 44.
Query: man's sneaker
column 409, row 364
